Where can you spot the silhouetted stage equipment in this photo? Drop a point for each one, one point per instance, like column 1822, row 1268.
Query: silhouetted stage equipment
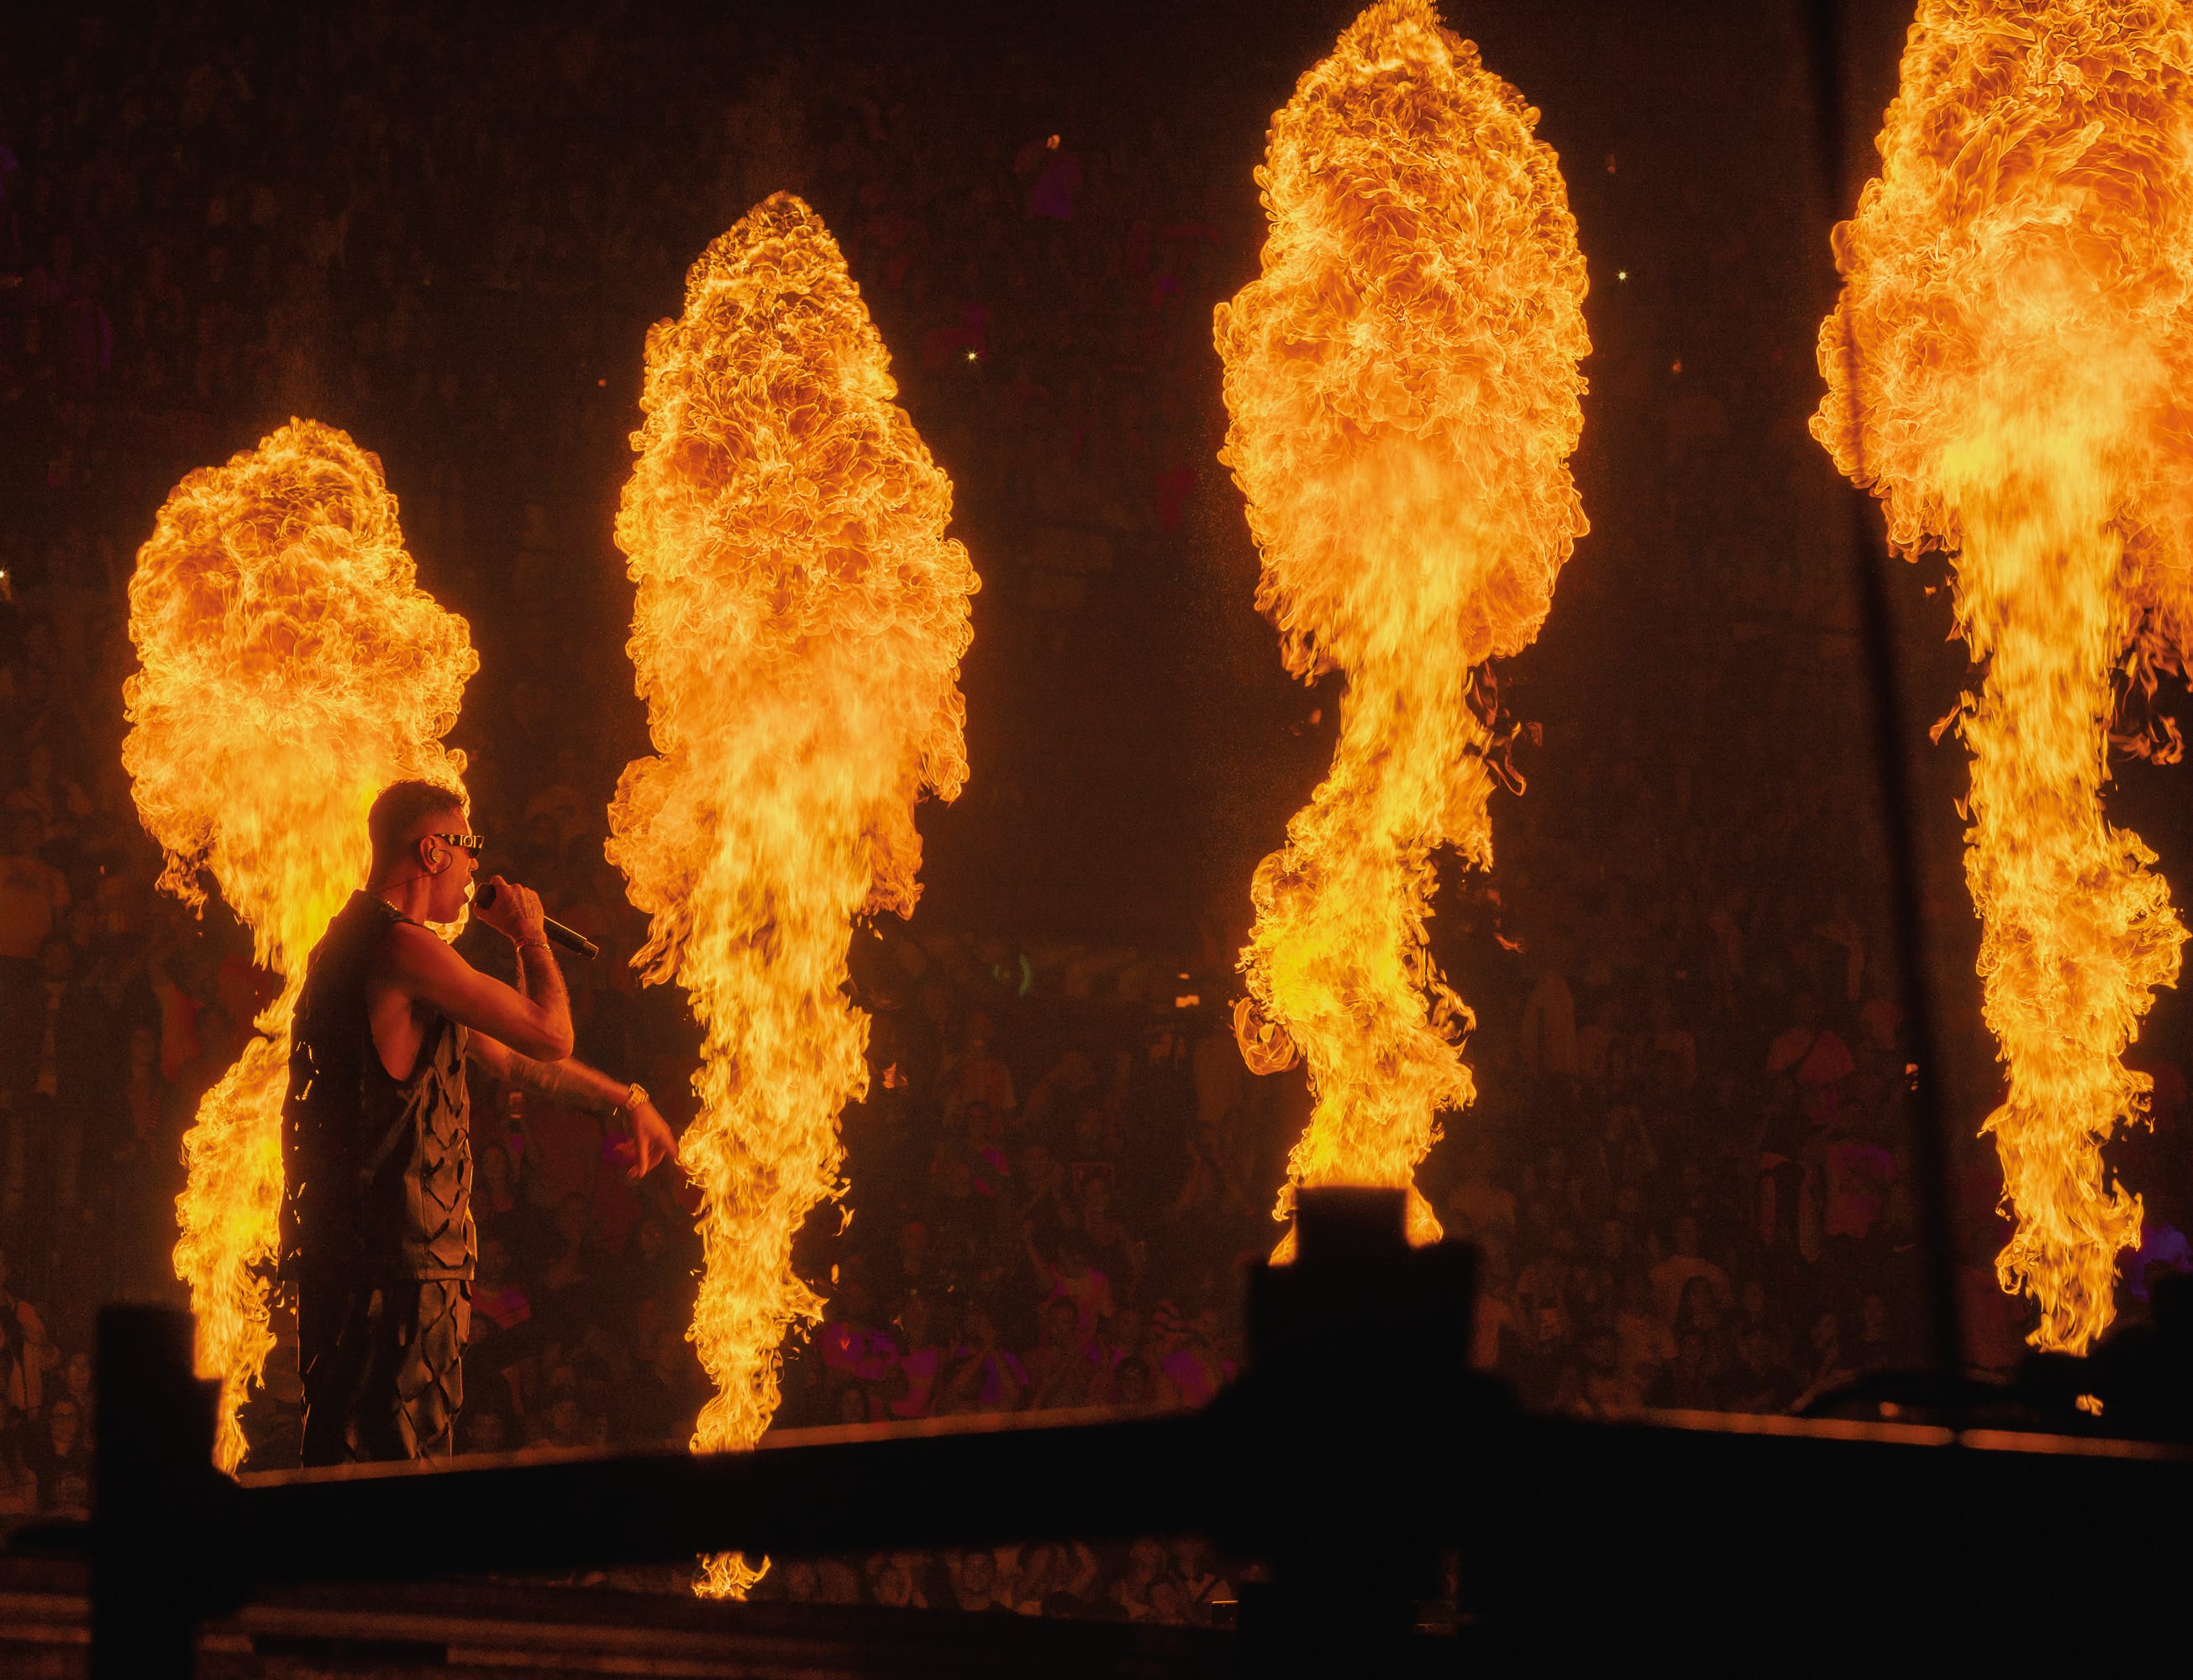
column 1356, row 1450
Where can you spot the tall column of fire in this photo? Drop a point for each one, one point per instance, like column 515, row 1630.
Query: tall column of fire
column 1404, row 391
column 291, row 667
column 2005, row 371
column 800, row 623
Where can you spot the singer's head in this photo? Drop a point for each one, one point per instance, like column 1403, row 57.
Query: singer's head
column 419, row 835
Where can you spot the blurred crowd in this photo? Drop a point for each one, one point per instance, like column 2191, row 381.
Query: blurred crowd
column 1688, row 1168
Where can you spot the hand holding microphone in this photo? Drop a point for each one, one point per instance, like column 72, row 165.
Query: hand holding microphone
column 518, row 913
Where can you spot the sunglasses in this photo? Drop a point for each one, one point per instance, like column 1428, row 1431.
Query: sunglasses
column 474, row 843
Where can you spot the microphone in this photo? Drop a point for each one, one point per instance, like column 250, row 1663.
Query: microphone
column 571, row 940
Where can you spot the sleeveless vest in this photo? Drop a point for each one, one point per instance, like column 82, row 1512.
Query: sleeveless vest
column 377, row 1172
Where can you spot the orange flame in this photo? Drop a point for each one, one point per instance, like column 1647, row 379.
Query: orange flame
column 1403, row 385
column 800, row 621
column 291, row 668
column 2015, row 313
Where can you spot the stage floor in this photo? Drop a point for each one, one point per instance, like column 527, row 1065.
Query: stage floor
column 497, row 1630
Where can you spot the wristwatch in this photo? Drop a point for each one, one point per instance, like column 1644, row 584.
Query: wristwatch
column 635, row 1094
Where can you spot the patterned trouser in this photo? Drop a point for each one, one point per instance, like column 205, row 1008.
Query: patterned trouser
column 383, row 1366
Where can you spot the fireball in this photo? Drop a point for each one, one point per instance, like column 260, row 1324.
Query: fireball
column 800, row 620
column 290, row 668
column 1404, row 391
column 2004, row 371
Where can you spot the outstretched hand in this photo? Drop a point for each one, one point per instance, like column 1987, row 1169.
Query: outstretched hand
column 653, row 1141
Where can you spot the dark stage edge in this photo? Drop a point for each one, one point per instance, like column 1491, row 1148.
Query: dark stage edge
column 460, row 1630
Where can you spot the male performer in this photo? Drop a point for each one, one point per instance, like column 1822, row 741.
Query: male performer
column 377, row 1238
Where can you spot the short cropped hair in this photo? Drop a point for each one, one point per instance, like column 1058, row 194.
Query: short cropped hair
column 397, row 809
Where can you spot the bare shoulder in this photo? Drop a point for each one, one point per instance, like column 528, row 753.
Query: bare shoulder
column 411, row 953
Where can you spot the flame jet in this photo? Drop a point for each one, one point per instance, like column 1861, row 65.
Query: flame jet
column 800, row 620
column 291, row 667
column 2015, row 317
column 1403, row 393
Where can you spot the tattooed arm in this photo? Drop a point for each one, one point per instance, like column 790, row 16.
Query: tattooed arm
column 571, row 1083
column 540, row 979
column 416, row 974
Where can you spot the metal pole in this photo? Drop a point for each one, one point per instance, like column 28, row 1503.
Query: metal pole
column 1930, row 1165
